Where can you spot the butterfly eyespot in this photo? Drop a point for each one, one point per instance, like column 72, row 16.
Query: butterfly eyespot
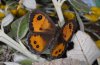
column 39, row 17
column 68, row 31
column 64, row 35
column 58, row 50
column 37, row 46
column 34, row 35
column 37, row 42
column 40, row 29
column 70, row 26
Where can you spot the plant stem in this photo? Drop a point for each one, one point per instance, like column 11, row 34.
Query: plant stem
column 9, row 41
column 59, row 12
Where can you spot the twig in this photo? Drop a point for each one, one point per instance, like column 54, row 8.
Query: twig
column 20, row 4
column 8, row 6
column 62, row 2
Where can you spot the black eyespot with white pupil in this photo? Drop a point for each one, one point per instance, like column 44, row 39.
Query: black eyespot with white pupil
column 39, row 17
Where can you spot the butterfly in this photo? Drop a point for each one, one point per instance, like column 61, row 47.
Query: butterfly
column 44, row 35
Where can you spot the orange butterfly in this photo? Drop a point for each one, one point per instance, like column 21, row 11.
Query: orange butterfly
column 44, row 35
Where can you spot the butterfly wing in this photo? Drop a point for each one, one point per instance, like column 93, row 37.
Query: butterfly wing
column 68, row 30
column 58, row 47
column 63, row 38
column 38, row 42
column 41, row 25
column 41, row 22
column 58, row 50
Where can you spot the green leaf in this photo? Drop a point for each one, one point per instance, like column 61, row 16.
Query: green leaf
column 79, row 5
column 9, row 1
column 23, row 27
column 14, row 27
column 26, row 62
column 97, row 3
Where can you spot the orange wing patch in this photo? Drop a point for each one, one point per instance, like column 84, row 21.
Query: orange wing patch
column 68, row 31
column 40, row 22
column 37, row 42
column 58, row 50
